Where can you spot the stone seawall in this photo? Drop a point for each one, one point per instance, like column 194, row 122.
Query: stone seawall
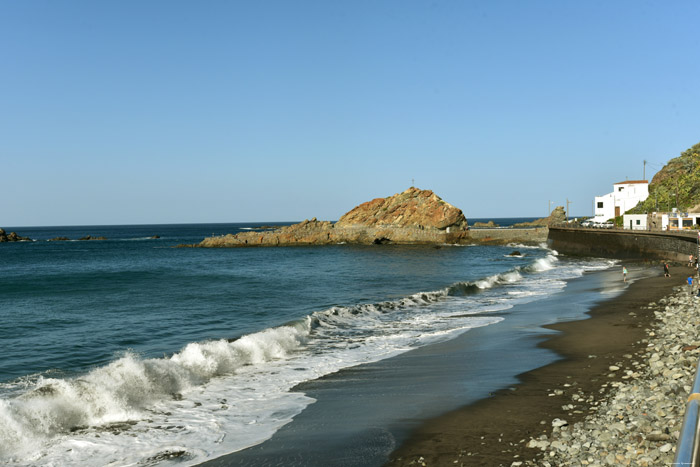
column 623, row 244
column 503, row 236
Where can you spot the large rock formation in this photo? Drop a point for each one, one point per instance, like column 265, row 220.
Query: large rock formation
column 412, row 217
column 413, row 208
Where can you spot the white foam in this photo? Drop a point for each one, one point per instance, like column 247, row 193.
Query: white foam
column 220, row 396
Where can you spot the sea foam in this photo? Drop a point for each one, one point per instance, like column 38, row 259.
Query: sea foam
column 219, row 396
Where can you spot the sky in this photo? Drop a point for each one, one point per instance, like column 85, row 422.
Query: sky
column 144, row 112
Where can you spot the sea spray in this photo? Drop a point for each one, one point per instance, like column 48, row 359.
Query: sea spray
column 218, row 396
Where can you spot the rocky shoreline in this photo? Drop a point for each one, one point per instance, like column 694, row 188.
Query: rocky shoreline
column 638, row 421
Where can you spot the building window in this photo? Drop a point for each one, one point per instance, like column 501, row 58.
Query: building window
column 621, row 188
column 639, row 222
column 600, row 205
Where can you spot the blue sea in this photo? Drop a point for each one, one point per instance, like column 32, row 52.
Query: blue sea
column 128, row 351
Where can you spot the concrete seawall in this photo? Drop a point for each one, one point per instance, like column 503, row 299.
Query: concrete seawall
column 622, row 244
column 504, row 236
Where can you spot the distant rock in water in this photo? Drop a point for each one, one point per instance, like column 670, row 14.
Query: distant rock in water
column 558, row 216
column 488, row 225
column 12, row 237
column 515, row 253
column 90, row 237
column 411, row 217
column 58, row 239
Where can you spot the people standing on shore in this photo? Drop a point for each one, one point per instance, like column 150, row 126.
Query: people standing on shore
column 690, row 261
column 624, row 274
column 666, row 270
column 690, row 285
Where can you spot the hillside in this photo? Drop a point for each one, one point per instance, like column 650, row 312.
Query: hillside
column 677, row 184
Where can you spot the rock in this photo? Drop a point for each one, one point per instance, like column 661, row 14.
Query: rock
column 558, row 216
column 412, row 217
column 58, row 239
column 515, row 253
column 12, row 237
column 90, row 237
column 413, row 208
column 485, row 225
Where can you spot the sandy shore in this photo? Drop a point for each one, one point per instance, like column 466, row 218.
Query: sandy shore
column 496, row 431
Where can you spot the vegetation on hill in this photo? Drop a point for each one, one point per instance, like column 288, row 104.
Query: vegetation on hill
column 676, row 185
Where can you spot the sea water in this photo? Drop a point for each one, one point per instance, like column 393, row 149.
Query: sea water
column 128, row 351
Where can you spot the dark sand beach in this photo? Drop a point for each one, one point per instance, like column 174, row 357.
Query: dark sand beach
column 495, row 431
column 442, row 403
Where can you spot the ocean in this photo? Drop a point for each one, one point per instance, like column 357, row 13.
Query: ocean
column 127, row 351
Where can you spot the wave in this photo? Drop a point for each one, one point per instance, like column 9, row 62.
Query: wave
column 226, row 395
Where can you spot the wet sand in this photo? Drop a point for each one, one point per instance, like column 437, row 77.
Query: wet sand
column 495, row 431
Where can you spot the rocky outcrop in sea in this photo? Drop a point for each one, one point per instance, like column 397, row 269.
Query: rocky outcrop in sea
column 12, row 237
column 638, row 420
column 412, row 217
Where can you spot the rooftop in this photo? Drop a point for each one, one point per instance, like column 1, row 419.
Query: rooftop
column 629, row 182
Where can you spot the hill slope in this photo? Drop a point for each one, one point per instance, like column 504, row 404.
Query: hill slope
column 677, row 184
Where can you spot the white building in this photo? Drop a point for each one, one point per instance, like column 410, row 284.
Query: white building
column 624, row 197
column 634, row 221
column 677, row 220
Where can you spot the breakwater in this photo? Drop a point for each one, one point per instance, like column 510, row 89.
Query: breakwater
column 623, row 244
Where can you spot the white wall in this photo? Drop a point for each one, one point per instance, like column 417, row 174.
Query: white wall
column 624, row 195
column 638, row 221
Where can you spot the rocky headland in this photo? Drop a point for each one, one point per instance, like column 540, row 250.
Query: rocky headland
column 412, row 217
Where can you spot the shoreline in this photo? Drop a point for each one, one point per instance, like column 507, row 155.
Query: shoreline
column 496, row 431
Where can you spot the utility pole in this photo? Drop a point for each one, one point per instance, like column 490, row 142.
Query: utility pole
column 567, row 209
column 413, row 182
column 644, row 172
column 549, row 208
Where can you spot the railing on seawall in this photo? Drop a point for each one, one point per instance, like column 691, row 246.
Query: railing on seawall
column 688, row 448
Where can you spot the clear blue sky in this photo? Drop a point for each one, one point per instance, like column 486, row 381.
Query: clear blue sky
column 116, row 112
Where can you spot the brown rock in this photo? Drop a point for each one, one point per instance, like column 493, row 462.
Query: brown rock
column 12, row 237
column 412, row 217
column 412, row 208
column 558, row 216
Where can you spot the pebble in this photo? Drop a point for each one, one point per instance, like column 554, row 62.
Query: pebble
column 636, row 421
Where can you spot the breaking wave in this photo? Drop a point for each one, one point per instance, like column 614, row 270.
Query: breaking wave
column 215, row 388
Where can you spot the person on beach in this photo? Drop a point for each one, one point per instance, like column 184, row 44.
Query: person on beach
column 666, row 270
column 690, row 285
column 624, row 274
column 690, row 261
